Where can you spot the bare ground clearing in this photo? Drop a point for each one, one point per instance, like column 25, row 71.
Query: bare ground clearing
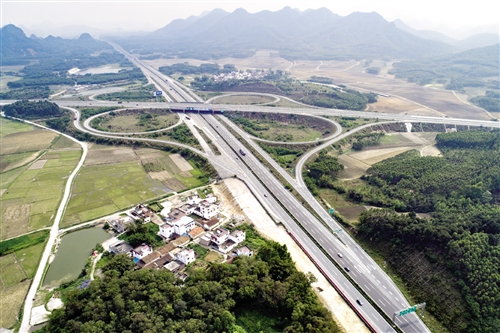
column 174, row 184
column 37, row 165
column 27, row 141
column 341, row 312
column 180, row 162
column 107, row 156
column 15, row 220
column 161, row 176
column 353, row 168
column 11, row 301
column 351, row 213
column 377, row 155
column 19, row 163
column 244, row 99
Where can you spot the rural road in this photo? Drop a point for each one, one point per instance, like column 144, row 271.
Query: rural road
column 35, row 283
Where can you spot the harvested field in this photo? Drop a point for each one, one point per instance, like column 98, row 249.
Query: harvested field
column 161, row 176
column 11, row 300
column 63, row 142
column 185, row 174
column 11, row 272
column 109, row 156
column 15, row 220
column 213, row 257
column 180, row 162
column 13, row 161
column 377, row 155
column 399, row 105
column 27, row 141
column 9, row 126
column 353, row 168
column 174, row 184
column 37, row 165
column 351, row 213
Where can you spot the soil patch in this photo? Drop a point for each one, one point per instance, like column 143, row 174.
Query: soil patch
column 161, row 176
column 15, row 220
column 27, row 141
column 37, row 165
column 11, row 300
column 108, row 156
column 351, row 213
column 174, row 184
column 376, row 155
column 430, row 151
column 181, row 163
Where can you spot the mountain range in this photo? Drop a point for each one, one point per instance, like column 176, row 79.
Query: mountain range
column 312, row 34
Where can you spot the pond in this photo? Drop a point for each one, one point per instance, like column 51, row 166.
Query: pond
column 73, row 252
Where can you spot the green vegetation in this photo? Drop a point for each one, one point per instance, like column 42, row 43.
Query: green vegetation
column 89, row 112
column 284, row 155
column 19, row 243
column 180, row 133
column 185, row 68
column 459, row 195
column 210, row 300
column 321, row 79
column 136, row 94
column 282, row 127
column 32, row 197
column 279, row 83
column 26, row 93
column 490, row 101
column 135, row 120
column 31, row 110
column 139, row 233
column 322, row 172
column 103, row 189
column 471, row 68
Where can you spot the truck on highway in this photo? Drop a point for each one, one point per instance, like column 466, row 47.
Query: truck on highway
column 242, row 152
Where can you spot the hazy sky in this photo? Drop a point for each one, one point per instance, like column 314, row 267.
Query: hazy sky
column 150, row 15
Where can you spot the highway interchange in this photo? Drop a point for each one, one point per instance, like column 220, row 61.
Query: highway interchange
column 333, row 252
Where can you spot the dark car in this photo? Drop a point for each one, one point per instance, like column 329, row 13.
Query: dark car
column 359, row 302
column 347, row 269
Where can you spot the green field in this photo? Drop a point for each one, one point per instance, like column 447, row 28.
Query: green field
column 32, row 196
column 100, row 190
column 15, row 271
column 10, row 126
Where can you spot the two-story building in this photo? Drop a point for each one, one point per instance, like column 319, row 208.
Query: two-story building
column 186, row 256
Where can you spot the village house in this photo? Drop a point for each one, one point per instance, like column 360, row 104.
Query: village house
column 183, row 225
column 219, row 236
column 193, row 200
column 141, row 251
column 237, row 236
column 187, row 209
column 121, row 224
column 244, row 251
column 210, row 224
column 207, row 210
column 166, row 231
column 120, row 248
column 186, row 256
column 196, row 232
column 141, row 212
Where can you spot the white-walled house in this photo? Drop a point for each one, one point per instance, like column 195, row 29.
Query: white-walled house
column 166, row 230
column 183, row 225
column 237, row 236
column 141, row 251
column 219, row 236
column 193, row 200
column 207, row 210
column 186, row 256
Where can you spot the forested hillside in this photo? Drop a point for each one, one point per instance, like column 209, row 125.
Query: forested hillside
column 210, row 300
column 459, row 244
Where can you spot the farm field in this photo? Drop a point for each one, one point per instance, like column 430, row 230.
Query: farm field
column 114, row 179
column 16, row 270
column 31, row 190
column 31, row 197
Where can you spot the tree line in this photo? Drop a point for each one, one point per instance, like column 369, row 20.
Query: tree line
column 127, row 300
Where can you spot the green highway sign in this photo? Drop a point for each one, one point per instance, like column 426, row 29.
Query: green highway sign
column 409, row 310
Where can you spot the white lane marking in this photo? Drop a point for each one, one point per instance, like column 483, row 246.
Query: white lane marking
column 367, row 288
column 385, row 287
column 381, row 302
column 390, row 292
